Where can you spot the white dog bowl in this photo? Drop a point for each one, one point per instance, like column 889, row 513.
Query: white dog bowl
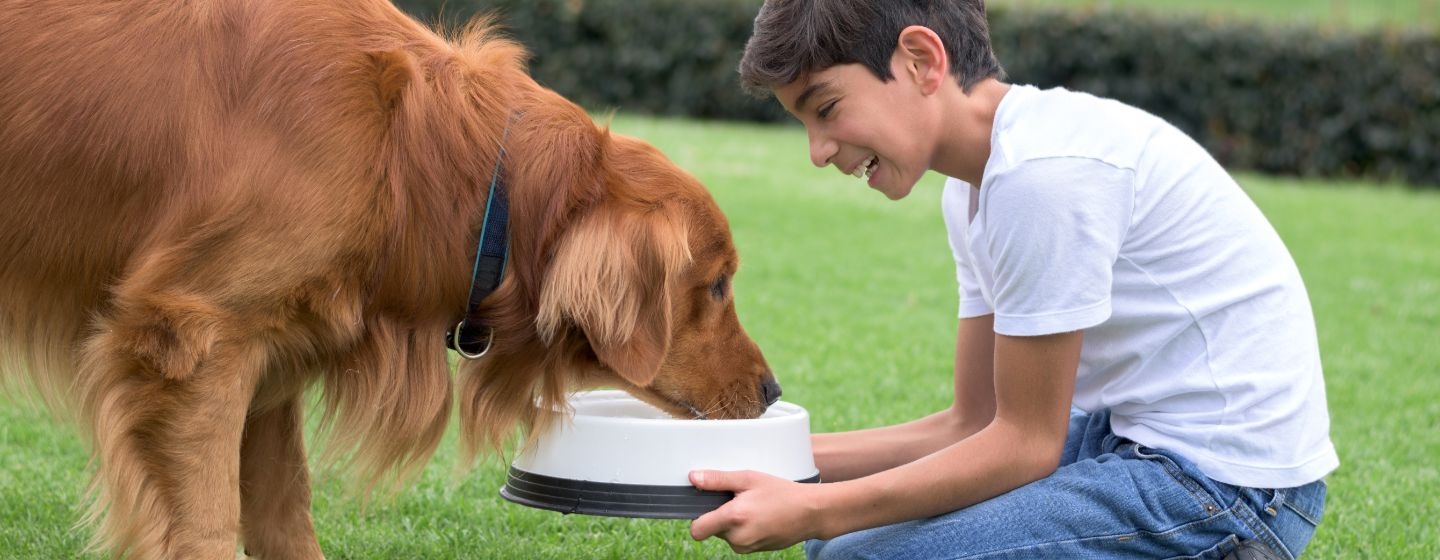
column 618, row 456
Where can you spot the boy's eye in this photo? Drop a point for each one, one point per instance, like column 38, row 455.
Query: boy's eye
column 824, row 111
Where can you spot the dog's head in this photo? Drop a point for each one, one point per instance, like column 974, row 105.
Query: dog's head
column 623, row 268
column 646, row 276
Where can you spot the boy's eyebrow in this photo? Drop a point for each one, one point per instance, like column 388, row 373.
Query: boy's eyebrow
column 810, row 91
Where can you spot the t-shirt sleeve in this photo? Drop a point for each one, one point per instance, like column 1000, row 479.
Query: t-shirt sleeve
column 955, row 206
column 1054, row 229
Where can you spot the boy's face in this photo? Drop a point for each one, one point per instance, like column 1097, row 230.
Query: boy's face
column 876, row 130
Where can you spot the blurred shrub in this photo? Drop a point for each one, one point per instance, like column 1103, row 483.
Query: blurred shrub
column 666, row 57
column 1288, row 100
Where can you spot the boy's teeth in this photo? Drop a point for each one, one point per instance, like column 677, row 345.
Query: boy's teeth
column 863, row 169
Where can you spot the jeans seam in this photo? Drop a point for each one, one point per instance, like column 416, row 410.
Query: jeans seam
column 1012, row 552
column 1302, row 514
column 1305, row 516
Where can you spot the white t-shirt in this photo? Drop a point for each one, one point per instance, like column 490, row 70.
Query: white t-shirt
column 1199, row 335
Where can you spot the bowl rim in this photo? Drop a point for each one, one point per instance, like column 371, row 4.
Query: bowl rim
column 785, row 412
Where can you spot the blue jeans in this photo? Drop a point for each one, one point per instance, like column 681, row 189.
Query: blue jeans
column 1110, row 498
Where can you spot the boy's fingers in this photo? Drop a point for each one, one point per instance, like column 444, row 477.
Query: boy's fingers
column 719, row 521
column 733, row 481
column 709, row 525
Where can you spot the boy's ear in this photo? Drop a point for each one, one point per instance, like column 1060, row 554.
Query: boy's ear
column 922, row 53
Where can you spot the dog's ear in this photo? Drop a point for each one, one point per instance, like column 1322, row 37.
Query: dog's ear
column 610, row 278
column 393, row 72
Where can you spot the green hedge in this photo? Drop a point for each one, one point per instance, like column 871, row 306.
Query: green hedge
column 666, row 57
column 1277, row 99
column 1285, row 100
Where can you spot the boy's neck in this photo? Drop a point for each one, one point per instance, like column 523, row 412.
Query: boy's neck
column 964, row 147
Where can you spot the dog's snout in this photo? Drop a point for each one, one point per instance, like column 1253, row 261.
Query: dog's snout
column 769, row 390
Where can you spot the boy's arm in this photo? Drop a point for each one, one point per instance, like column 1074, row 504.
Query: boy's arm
column 849, row 455
column 1034, row 383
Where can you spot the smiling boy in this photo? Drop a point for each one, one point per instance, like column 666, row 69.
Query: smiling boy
column 1136, row 370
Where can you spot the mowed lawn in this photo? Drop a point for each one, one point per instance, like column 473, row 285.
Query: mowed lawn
column 852, row 298
column 1330, row 13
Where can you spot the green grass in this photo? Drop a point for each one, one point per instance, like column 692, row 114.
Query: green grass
column 1338, row 13
column 852, row 298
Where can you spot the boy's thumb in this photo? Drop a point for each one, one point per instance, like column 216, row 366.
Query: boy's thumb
column 709, row 480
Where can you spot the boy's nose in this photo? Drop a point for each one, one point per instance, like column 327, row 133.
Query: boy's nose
column 821, row 150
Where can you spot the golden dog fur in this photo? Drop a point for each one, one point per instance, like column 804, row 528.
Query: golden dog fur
column 208, row 207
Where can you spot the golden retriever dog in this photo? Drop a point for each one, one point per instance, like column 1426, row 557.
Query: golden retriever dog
column 209, row 207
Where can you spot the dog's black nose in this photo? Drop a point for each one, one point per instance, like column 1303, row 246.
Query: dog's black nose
column 769, row 390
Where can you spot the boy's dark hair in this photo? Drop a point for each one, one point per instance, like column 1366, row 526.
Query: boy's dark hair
column 793, row 38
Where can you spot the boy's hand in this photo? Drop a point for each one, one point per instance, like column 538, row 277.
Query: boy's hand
column 768, row 512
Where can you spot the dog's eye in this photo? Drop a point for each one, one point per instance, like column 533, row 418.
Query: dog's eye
column 721, row 285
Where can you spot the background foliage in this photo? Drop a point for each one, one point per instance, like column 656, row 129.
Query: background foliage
column 1285, row 99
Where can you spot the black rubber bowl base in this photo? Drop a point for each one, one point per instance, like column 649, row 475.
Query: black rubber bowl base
column 611, row 499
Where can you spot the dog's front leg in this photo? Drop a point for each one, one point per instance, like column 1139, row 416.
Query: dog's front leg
column 275, row 485
column 166, row 391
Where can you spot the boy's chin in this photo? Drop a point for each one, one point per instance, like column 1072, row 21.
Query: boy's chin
column 893, row 191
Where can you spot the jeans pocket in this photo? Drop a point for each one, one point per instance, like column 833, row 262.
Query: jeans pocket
column 1205, row 498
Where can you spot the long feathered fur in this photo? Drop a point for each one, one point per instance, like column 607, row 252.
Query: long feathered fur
column 211, row 207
